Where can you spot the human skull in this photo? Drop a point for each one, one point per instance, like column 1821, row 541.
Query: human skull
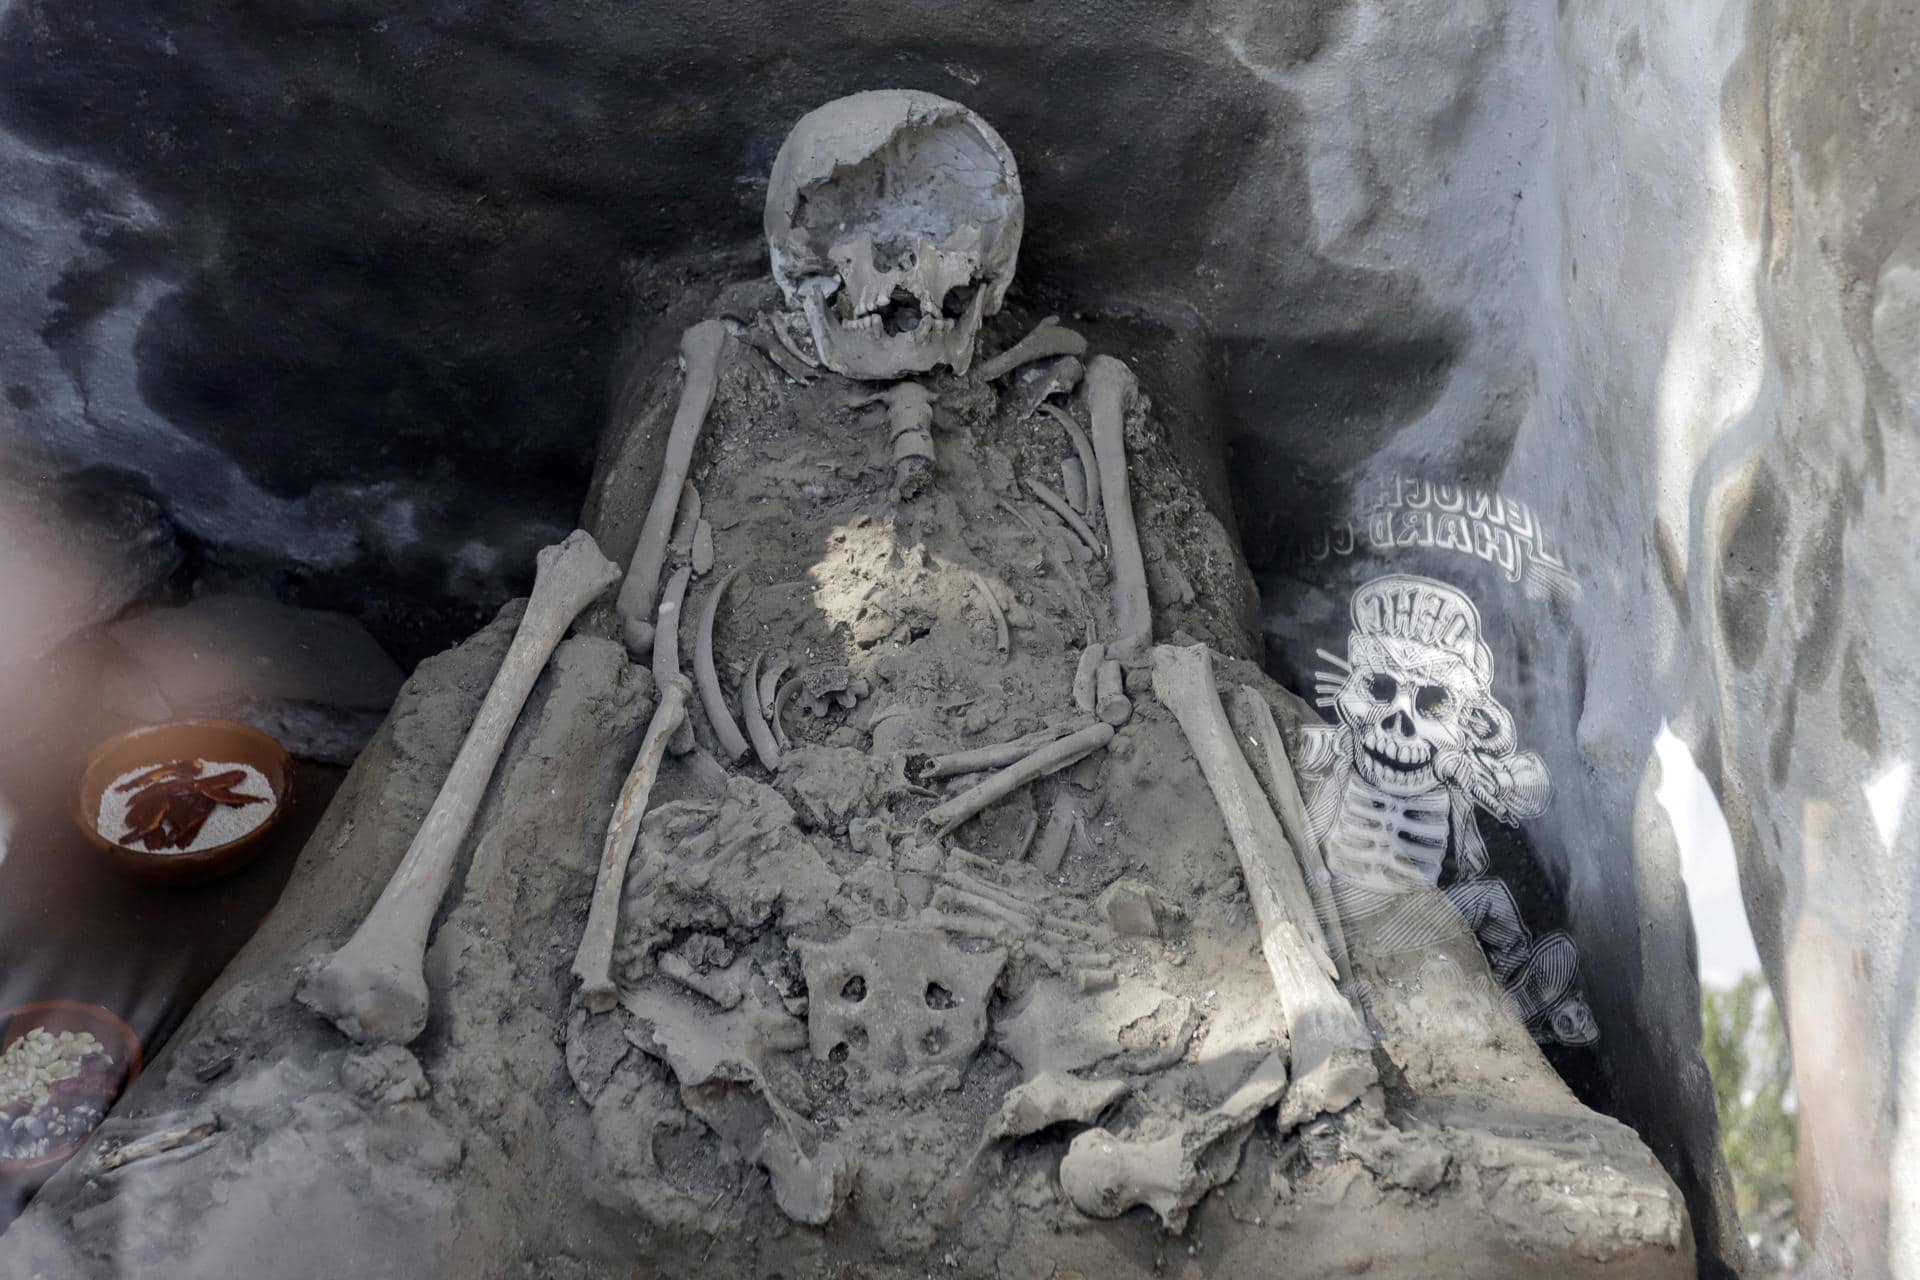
column 893, row 220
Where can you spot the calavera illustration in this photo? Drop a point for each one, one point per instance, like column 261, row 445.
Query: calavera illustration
column 1419, row 748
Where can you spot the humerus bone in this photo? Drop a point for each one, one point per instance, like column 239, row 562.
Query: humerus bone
column 758, row 732
column 374, row 988
column 1000, row 642
column 725, row 731
column 994, row 756
column 1059, row 506
column 1110, row 389
column 1083, row 447
column 1049, row 338
column 1253, row 720
column 593, row 962
column 700, row 347
column 1086, row 677
column 1332, row 1053
column 1054, row 756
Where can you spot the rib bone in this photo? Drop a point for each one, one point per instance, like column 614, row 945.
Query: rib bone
column 725, row 731
column 1060, row 507
column 758, row 733
column 593, row 962
column 1332, row 1052
column 1110, row 389
column 1084, row 447
column 700, row 347
column 375, row 988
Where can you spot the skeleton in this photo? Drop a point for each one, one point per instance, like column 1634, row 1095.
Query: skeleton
column 1420, row 744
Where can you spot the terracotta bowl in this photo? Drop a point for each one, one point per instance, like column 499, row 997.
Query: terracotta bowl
column 69, row 1015
column 182, row 740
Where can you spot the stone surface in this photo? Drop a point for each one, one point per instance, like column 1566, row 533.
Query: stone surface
column 315, row 680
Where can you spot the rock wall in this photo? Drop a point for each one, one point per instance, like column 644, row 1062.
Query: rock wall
column 340, row 287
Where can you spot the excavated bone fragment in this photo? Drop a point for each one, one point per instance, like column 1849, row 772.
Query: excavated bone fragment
column 1048, row 759
column 1001, row 643
column 1086, row 678
column 1110, row 694
column 1068, row 516
column 701, row 554
column 666, row 652
column 1083, row 449
column 770, row 683
column 1048, row 338
column 685, row 522
column 996, row 756
column 1110, row 391
column 375, row 988
column 1073, row 484
column 714, row 702
column 1253, row 722
column 1041, row 382
column 808, row 1189
column 1051, row 1098
column 765, row 749
column 1105, row 1175
column 1332, row 1052
column 700, row 348
column 593, row 961
column 1051, row 848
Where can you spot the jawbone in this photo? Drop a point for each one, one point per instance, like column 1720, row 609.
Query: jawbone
column 862, row 348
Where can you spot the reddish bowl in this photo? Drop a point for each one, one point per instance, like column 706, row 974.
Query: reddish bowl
column 69, row 1015
column 182, row 740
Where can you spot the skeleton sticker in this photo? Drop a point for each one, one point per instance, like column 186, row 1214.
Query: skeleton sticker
column 1419, row 748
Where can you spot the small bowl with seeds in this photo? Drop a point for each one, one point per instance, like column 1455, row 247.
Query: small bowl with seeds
column 185, row 802
column 62, row 1064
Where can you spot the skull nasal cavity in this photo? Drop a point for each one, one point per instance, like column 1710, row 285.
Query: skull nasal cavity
column 854, row 990
column 1401, row 723
column 938, row 997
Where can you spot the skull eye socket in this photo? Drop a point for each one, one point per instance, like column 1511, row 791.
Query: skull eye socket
column 1381, row 688
column 1432, row 700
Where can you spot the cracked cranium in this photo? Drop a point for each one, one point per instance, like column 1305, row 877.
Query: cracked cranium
column 893, row 219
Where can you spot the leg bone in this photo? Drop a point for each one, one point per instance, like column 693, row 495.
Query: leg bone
column 593, row 962
column 1332, row 1052
column 374, row 988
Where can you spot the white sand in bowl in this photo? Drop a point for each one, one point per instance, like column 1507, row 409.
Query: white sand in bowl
column 224, row 824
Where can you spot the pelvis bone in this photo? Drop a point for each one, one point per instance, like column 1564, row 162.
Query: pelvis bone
column 902, row 1003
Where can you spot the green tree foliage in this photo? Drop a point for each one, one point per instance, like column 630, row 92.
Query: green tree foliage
column 1745, row 1047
